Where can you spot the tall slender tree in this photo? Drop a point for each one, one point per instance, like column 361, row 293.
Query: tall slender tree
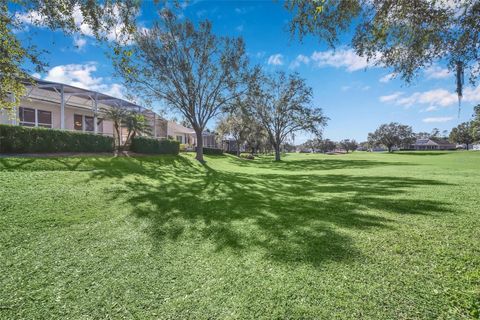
column 236, row 125
column 282, row 103
column 197, row 73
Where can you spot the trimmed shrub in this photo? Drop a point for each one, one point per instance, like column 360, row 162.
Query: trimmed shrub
column 183, row 147
column 247, row 156
column 18, row 139
column 155, row 146
column 212, row 151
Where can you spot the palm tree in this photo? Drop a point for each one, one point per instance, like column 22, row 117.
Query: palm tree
column 136, row 123
column 118, row 116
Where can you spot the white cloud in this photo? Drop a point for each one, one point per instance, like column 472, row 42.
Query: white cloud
column 345, row 88
column 276, row 59
column 79, row 43
column 431, row 108
column 239, row 28
column 347, row 59
column 437, row 72
column 391, row 97
column 114, row 33
column 260, row 54
column 438, row 119
column 81, row 75
column 387, row 78
column 241, row 10
column 299, row 60
column 436, row 97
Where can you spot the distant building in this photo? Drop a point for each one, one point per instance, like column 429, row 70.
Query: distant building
column 209, row 139
column 433, row 144
column 230, row 145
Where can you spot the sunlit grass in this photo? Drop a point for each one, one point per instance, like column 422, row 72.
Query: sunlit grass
column 351, row 236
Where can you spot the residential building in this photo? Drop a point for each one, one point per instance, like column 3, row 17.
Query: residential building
column 180, row 133
column 59, row 106
column 210, row 139
column 433, row 144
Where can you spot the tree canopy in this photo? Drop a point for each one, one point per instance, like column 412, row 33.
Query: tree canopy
column 463, row 134
column 282, row 104
column 348, row 145
column 392, row 135
column 406, row 35
column 195, row 72
column 93, row 18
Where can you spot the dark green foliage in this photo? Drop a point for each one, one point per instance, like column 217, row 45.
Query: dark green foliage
column 154, row 146
column 17, row 139
column 213, row 151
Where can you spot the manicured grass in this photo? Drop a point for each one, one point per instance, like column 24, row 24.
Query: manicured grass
column 358, row 236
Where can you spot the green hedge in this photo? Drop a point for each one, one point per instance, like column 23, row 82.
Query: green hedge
column 154, row 146
column 18, row 139
column 213, row 151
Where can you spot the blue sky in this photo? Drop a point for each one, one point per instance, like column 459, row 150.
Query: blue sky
column 355, row 96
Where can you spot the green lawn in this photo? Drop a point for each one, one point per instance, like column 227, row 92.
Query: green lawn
column 372, row 236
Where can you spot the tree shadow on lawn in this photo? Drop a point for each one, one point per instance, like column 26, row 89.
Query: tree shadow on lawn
column 422, row 153
column 311, row 164
column 290, row 218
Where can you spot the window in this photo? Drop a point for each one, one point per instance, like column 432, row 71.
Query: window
column 35, row 118
column 179, row 139
column 44, row 119
column 27, row 117
column 78, row 122
column 89, row 123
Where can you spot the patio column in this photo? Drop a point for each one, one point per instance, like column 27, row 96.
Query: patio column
column 14, row 119
column 95, row 112
column 62, row 108
column 154, row 125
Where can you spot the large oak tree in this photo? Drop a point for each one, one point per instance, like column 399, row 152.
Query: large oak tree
column 392, row 135
column 195, row 72
column 283, row 105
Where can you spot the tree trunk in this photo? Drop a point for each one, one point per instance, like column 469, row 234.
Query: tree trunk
column 237, row 152
column 467, row 146
column 277, row 153
column 389, row 149
column 199, row 155
column 117, row 130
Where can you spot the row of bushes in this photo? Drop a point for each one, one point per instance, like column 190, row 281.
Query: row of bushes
column 154, row 146
column 17, row 139
column 212, row 151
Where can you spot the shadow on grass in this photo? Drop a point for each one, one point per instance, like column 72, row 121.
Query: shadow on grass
column 423, row 153
column 296, row 218
column 311, row 164
column 290, row 218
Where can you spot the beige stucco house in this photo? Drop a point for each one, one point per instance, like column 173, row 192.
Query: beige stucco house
column 59, row 106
